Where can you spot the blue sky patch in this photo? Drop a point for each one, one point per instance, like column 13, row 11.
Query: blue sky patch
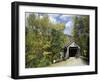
column 66, row 19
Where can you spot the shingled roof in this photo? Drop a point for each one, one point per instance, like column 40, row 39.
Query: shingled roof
column 69, row 43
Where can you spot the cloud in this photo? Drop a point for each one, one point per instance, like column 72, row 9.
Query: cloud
column 68, row 24
column 65, row 18
column 59, row 18
column 52, row 19
column 68, row 28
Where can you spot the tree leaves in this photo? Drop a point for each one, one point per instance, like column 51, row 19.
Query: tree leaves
column 44, row 41
column 81, row 33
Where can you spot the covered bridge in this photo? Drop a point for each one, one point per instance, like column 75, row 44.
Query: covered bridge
column 71, row 50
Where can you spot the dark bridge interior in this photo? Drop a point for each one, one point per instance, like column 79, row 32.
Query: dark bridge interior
column 73, row 51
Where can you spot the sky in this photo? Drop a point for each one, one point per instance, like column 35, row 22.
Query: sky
column 66, row 19
column 60, row 18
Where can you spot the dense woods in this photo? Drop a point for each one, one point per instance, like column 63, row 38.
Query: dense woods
column 81, row 34
column 45, row 40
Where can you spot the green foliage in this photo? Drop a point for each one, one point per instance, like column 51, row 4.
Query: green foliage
column 44, row 62
column 44, row 41
column 81, row 34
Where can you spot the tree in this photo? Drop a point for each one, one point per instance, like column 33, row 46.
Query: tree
column 81, row 34
column 44, row 40
column 36, row 40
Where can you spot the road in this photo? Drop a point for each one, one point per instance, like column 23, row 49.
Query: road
column 72, row 61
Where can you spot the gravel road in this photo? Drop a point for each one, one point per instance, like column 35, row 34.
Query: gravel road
column 72, row 61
